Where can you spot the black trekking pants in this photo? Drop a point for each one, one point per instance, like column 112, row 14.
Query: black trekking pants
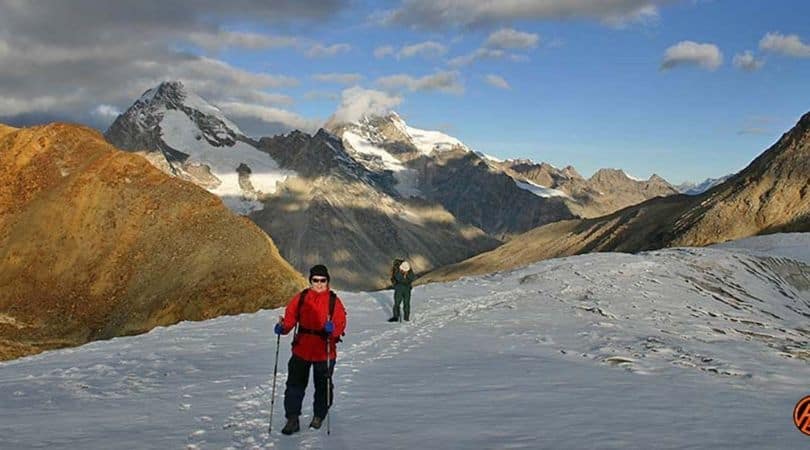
column 297, row 380
column 402, row 298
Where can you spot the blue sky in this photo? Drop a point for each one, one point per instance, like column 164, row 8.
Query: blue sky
column 570, row 82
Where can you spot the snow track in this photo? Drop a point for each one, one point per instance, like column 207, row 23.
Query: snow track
column 651, row 350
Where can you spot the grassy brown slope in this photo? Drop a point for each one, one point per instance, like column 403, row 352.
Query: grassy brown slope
column 97, row 243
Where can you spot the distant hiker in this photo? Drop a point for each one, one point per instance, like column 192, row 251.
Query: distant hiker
column 402, row 278
column 320, row 319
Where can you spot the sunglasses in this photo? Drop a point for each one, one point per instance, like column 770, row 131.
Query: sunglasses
column 318, row 280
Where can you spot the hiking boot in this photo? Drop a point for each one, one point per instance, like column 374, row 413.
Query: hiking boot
column 394, row 319
column 292, row 426
column 316, row 422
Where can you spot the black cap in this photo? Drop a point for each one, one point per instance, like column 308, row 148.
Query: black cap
column 319, row 270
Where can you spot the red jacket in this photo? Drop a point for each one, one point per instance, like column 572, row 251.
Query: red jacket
column 314, row 312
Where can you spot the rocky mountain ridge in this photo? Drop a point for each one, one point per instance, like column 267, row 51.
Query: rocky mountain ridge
column 325, row 206
column 772, row 194
column 606, row 191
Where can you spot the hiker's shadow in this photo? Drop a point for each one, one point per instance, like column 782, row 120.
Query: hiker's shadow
column 386, row 301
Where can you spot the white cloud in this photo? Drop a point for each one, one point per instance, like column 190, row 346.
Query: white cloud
column 444, row 81
column 224, row 39
column 339, row 78
column 790, row 45
column 260, row 96
column 508, row 38
column 497, row 81
column 320, row 50
column 692, row 53
column 383, row 51
column 747, row 61
column 357, row 102
column 288, row 119
column 428, row 49
column 466, row 13
column 484, row 54
column 122, row 51
column 106, row 111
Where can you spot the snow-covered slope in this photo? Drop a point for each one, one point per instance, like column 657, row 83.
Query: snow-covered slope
column 679, row 348
column 432, row 166
column 387, row 143
column 200, row 144
column 538, row 190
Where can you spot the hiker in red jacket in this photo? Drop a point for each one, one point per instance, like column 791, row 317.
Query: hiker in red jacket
column 321, row 318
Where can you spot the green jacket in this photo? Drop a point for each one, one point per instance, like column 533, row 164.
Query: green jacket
column 403, row 282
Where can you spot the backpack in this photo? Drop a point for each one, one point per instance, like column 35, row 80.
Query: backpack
column 300, row 329
column 394, row 269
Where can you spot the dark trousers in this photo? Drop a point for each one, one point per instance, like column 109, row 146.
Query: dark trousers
column 297, row 380
column 402, row 298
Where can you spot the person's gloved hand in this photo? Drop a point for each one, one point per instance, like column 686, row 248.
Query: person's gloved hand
column 279, row 329
column 329, row 327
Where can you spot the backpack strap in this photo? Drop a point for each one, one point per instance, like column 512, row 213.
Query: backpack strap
column 332, row 299
column 298, row 315
column 300, row 304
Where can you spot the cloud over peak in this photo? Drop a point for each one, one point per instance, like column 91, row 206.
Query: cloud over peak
column 357, row 102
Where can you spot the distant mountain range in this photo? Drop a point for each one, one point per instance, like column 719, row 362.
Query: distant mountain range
column 607, row 190
column 363, row 192
column 699, row 188
column 771, row 195
column 320, row 204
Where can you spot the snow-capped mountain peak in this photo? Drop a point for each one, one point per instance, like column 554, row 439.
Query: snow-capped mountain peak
column 699, row 188
column 199, row 143
column 385, row 144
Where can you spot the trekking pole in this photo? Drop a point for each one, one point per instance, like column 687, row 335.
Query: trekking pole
column 275, row 372
column 328, row 387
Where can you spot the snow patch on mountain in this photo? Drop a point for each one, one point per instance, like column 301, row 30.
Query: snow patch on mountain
column 386, row 143
column 375, row 158
column 181, row 133
column 200, row 144
column 540, row 191
column 699, row 188
column 427, row 141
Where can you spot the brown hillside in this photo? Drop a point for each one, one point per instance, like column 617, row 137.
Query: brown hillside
column 5, row 129
column 771, row 195
column 97, row 243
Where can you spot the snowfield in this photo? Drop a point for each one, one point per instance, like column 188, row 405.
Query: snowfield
column 540, row 191
column 678, row 348
column 180, row 133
